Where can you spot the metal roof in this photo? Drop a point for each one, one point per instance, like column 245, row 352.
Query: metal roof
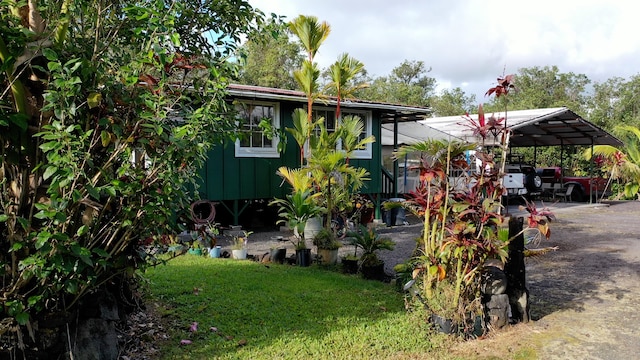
column 388, row 112
column 410, row 133
column 539, row 127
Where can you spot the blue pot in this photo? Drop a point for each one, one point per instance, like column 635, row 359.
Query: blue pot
column 214, row 252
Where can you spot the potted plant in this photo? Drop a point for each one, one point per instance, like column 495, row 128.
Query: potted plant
column 295, row 210
column 328, row 245
column 239, row 248
column 195, row 248
column 371, row 243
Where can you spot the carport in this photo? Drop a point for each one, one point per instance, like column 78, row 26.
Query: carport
column 530, row 128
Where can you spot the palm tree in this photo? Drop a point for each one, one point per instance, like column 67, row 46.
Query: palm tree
column 625, row 163
column 311, row 34
column 342, row 72
column 351, row 128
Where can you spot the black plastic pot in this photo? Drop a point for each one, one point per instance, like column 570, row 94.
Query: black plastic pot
column 444, row 325
column 350, row 266
column 373, row 272
column 303, row 257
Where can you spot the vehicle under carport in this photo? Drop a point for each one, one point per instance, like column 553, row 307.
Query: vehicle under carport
column 529, row 128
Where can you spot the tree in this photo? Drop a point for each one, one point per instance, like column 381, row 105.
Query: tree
column 452, row 102
column 107, row 111
column 407, row 84
column 546, row 87
column 616, row 101
column 269, row 58
column 311, row 34
column 342, row 73
column 624, row 164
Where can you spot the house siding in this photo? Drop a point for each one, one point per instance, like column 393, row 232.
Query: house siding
column 227, row 177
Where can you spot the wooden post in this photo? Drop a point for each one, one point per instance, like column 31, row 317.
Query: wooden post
column 515, row 271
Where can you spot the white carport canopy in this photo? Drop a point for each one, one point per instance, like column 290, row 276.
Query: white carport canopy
column 410, row 133
column 538, row 127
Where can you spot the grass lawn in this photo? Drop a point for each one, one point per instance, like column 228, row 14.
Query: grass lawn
column 284, row 312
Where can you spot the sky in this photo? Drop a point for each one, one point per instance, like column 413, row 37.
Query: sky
column 470, row 43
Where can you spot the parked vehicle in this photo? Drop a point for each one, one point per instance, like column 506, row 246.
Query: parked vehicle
column 522, row 180
column 582, row 187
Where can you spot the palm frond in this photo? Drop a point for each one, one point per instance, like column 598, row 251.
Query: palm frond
column 533, row 253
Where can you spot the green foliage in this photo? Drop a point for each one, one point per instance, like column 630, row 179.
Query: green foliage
column 123, row 107
column 452, row 102
column 407, row 85
column 370, row 242
column 623, row 164
column 546, row 87
column 296, row 210
column 326, row 239
column 269, row 57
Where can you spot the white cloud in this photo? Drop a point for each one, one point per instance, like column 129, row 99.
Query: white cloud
column 469, row 43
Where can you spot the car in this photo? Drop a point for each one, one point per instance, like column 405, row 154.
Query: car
column 577, row 188
column 522, row 180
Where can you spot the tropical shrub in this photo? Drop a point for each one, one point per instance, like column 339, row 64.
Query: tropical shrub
column 107, row 111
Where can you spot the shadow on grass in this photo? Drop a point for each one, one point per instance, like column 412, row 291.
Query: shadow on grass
column 594, row 263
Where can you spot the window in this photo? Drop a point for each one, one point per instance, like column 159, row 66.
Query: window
column 365, row 117
column 254, row 142
column 330, row 124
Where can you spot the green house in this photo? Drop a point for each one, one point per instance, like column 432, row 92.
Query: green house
column 241, row 177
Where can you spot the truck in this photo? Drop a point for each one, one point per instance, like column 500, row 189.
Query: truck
column 582, row 188
column 520, row 179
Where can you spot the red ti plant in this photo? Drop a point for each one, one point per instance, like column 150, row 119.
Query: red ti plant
column 538, row 218
column 484, row 126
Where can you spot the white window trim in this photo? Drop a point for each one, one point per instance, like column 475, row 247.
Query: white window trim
column 270, row 152
column 367, row 152
column 365, row 115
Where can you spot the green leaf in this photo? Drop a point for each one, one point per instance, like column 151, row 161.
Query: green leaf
column 60, row 217
column 22, row 318
column 42, row 239
column 33, row 300
column 82, row 230
column 16, row 246
column 49, row 172
column 49, row 54
column 23, row 222
column 4, row 217
column 53, row 66
column 110, row 190
column 175, row 39
column 71, row 286
column 101, row 253
column 50, row 145
column 93, row 192
column 105, row 137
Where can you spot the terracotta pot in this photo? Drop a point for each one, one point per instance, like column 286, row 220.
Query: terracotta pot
column 366, row 216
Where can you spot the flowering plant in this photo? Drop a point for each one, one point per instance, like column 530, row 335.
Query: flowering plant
column 361, row 204
column 240, row 241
